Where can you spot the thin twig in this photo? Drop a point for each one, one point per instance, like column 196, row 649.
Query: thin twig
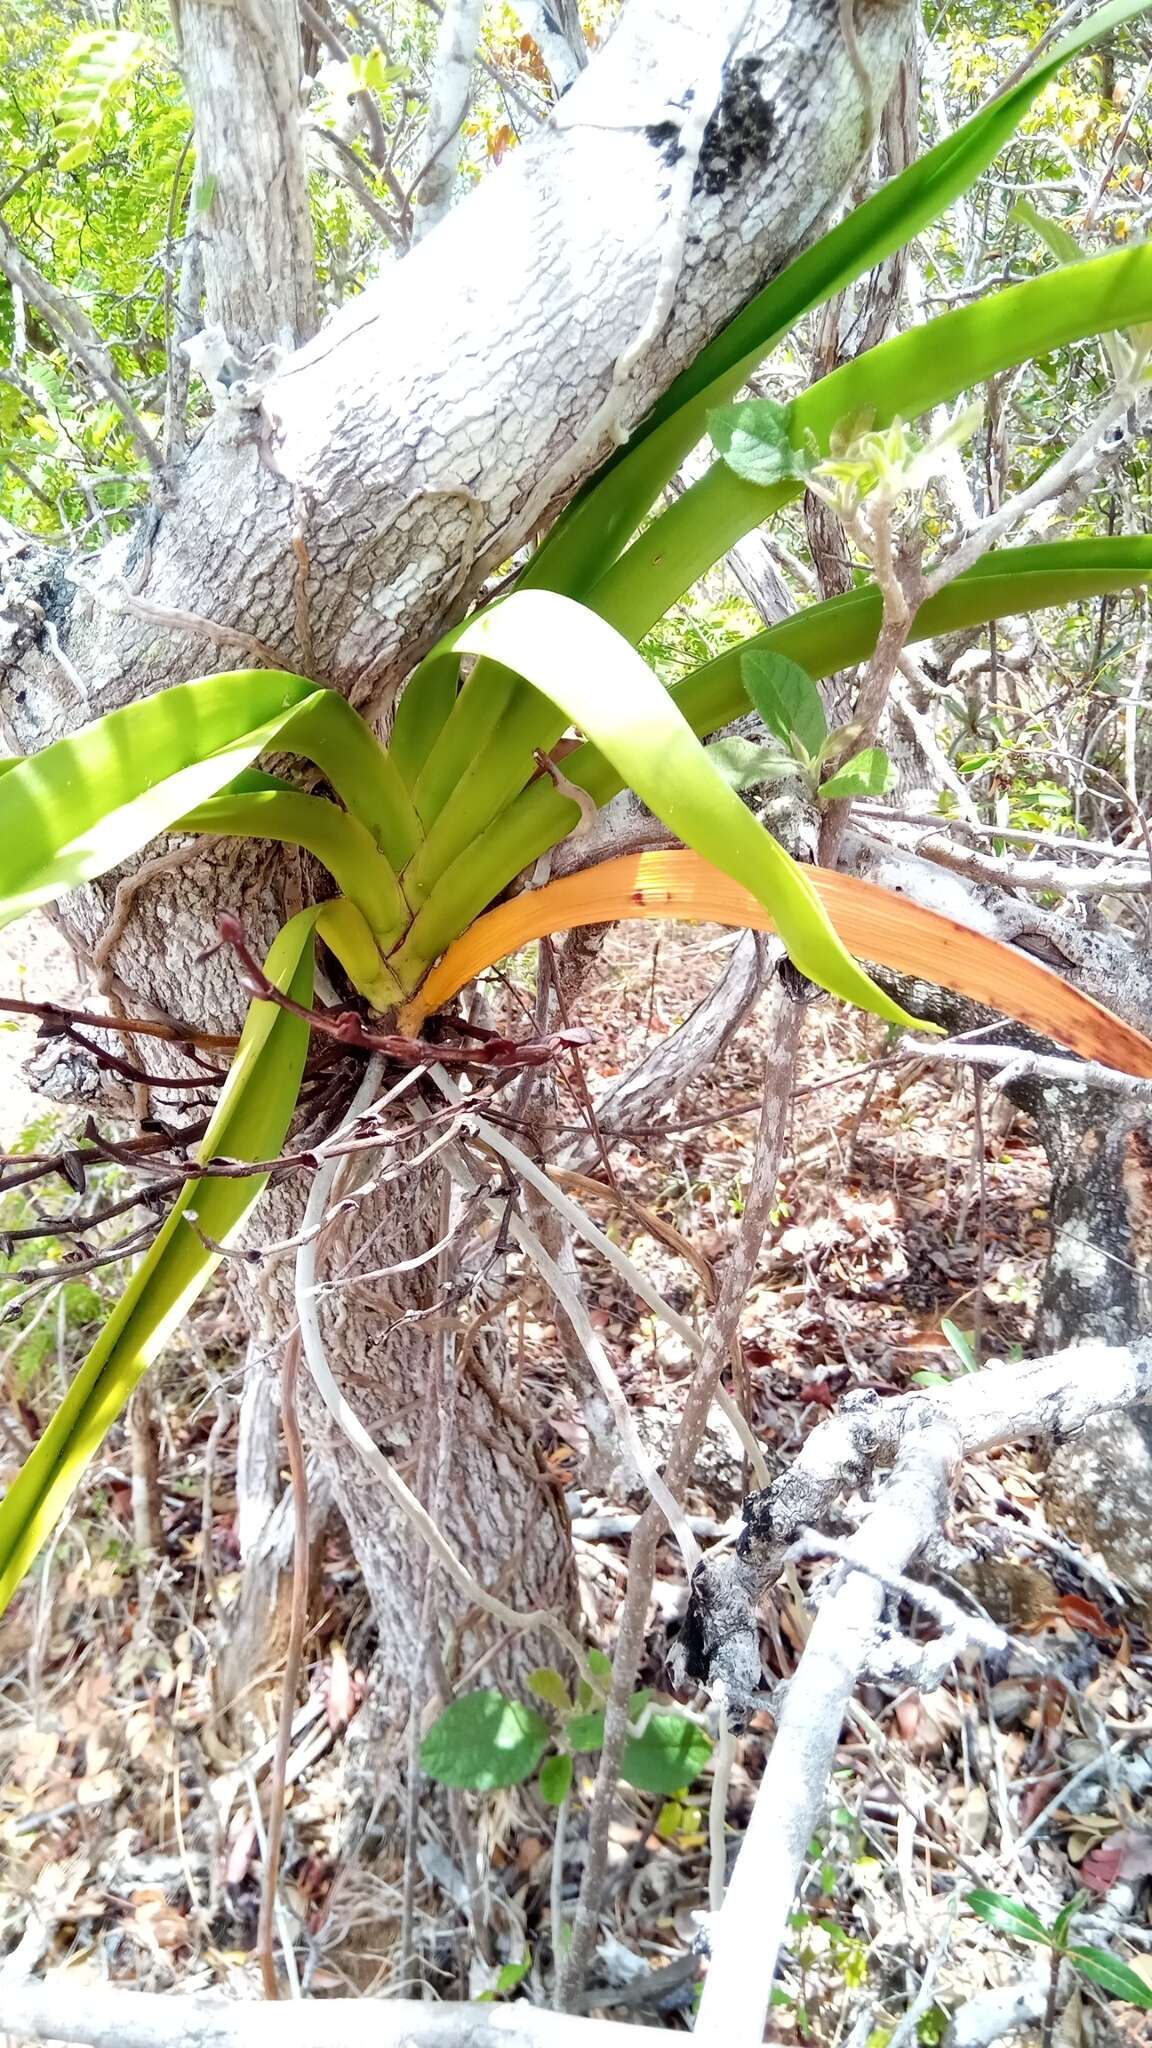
column 785, row 1024
column 293, row 1657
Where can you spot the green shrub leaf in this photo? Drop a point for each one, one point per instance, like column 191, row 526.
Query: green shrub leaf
column 869, row 773
column 786, row 698
column 555, row 1779
column 548, row 1686
column 743, row 764
column 585, row 1731
column 1112, row 1975
column 667, row 1756
column 671, row 1752
column 755, row 439
column 1009, row 1916
column 484, row 1741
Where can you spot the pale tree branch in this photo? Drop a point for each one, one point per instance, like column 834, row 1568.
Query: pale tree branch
column 94, row 2017
column 1009, row 1063
column 322, row 29
column 419, row 425
column 346, row 166
column 1041, row 877
column 241, row 62
column 74, row 329
column 456, row 44
column 923, row 1437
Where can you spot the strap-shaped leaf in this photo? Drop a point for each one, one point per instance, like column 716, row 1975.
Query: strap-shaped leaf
column 89, row 801
column 601, row 519
column 875, row 922
column 484, row 753
column 250, row 1122
column 822, row 638
column 602, row 684
column 928, row 365
column 345, row 846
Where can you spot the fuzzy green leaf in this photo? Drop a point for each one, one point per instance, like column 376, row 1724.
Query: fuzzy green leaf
column 755, row 440
column 743, row 764
column 484, row 1741
column 786, row 698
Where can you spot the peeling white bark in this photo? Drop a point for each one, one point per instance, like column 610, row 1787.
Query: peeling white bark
column 103, row 2018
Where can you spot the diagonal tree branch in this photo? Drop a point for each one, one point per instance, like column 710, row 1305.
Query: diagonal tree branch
column 79, row 337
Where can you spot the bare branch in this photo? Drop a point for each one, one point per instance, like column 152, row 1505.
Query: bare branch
column 74, row 329
column 456, row 44
column 95, row 2017
column 785, row 1025
column 926, row 1435
column 1011, row 1064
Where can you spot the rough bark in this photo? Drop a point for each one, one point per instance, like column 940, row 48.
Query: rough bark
column 1098, row 1285
column 412, row 433
column 241, row 60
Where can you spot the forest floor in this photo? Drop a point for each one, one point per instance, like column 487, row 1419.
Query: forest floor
column 130, row 1819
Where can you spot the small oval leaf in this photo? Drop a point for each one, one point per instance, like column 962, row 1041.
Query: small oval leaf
column 755, row 439
column 869, row 773
column 555, row 1779
column 548, row 1686
column 786, row 698
column 671, row 1752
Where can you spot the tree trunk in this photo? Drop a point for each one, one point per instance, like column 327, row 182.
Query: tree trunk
column 1098, row 1284
column 401, row 454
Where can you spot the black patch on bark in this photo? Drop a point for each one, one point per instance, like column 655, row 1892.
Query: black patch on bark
column 739, row 134
column 665, row 135
column 665, row 139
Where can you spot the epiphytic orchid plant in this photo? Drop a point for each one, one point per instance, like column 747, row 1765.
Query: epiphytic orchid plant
column 424, row 835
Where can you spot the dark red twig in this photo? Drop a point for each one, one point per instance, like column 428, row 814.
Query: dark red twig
column 349, row 1029
column 57, row 1017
